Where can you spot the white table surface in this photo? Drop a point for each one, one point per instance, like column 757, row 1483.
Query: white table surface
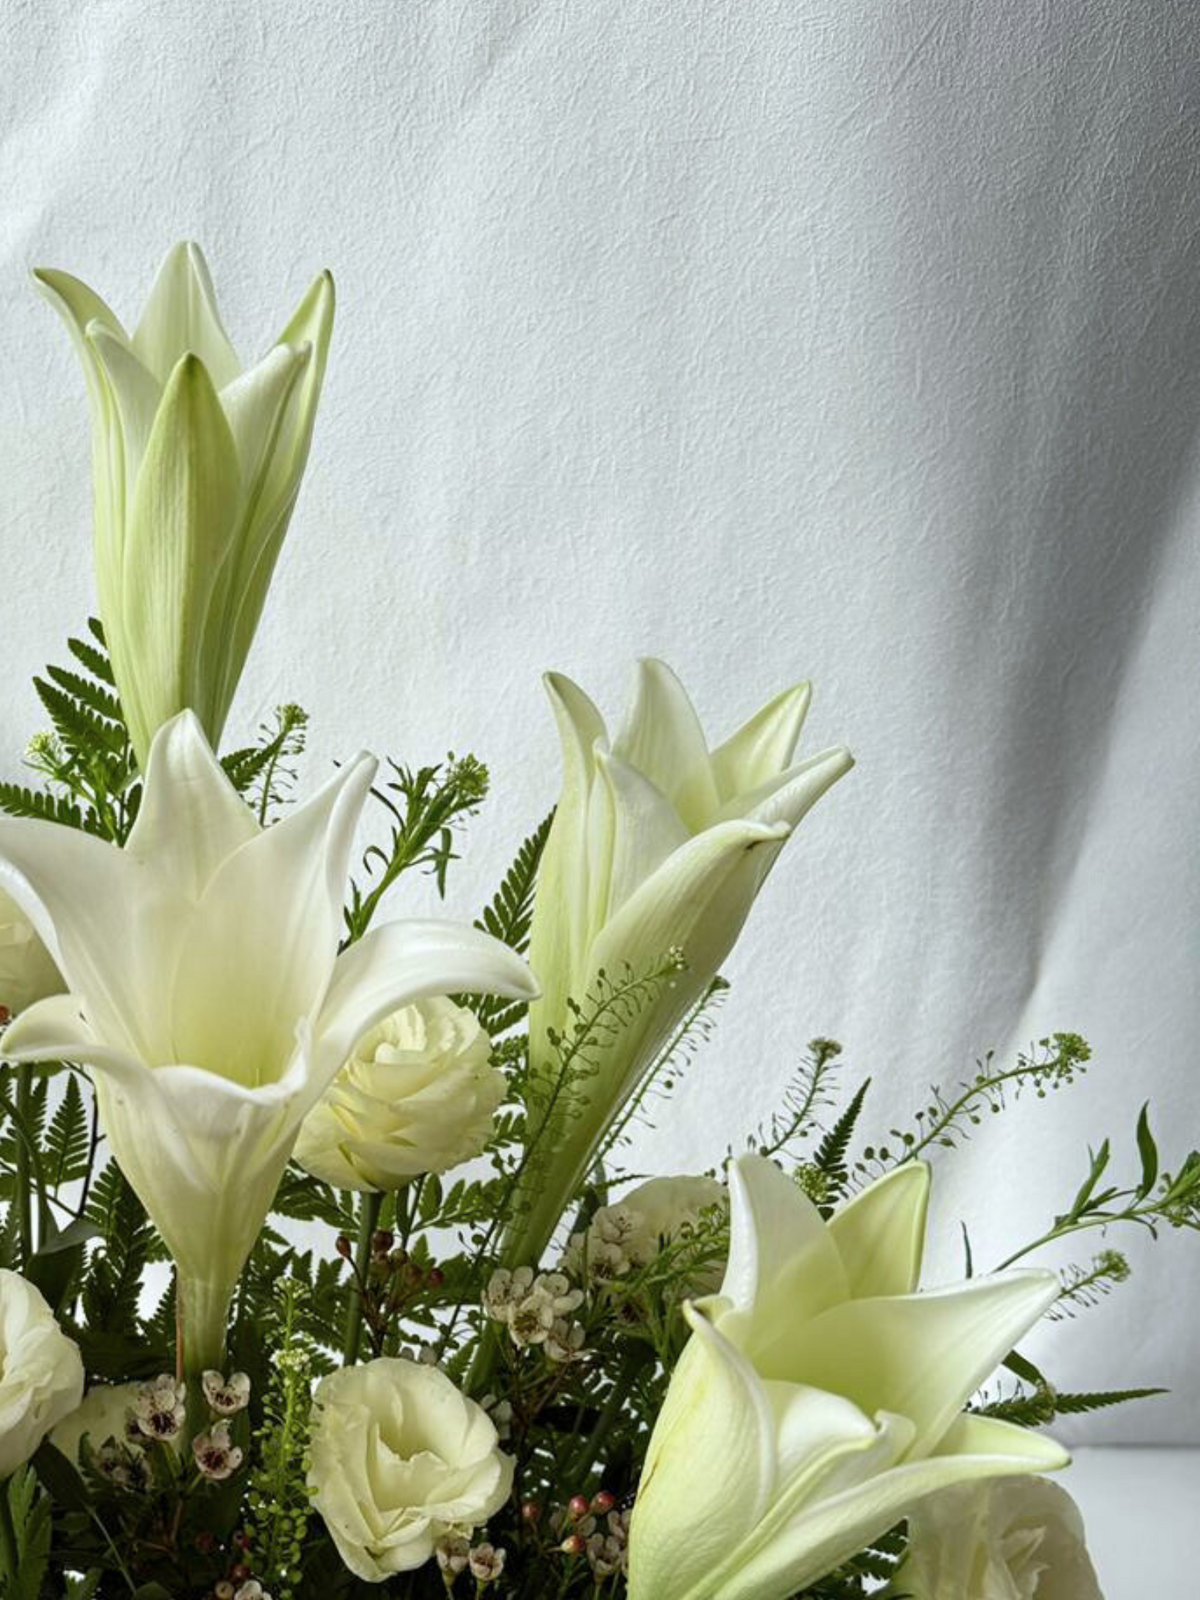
column 1142, row 1510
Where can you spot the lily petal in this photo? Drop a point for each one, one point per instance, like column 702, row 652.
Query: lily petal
column 406, row 961
column 262, row 942
column 181, row 318
column 924, row 1355
column 791, row 795
column 181, row 521
column 880, row 1234
column 818, row 1539
column 646, row 829
column 783, row 1263
column 710, row 1469
column 663, row 739
column 763, row 746
column 191, row 817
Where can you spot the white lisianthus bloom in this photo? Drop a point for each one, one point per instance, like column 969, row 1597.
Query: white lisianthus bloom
column 196, row 467
column 821, row 1396
column 41, row 1373
column 418, row 1094
column 26, row 971
column 399, row 1458
column 1021, row 1539
column 659, row 844
column 207, row 995
column 630, row 1233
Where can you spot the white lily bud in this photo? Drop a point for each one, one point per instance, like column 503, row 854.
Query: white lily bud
column 658, row 845
column 196, row 466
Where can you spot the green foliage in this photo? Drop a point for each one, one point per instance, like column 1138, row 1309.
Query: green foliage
column 666, row 1070
column 509, row 918
column 86, row 761
column 424, row 806
column 26, row 1526
column 278, row 1498
column 1038, row 1405
column 262, row 773
column 948, row 1119
column 1087, row 1286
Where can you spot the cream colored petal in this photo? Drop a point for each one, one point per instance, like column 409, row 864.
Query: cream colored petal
column 181, row 521
column 254, row 404
column 792, row 794
column 96, row 915
column 709, row 1472
column 646, row 829
column 663, row 739
column 181, row 318
column 278, row 484
column 562, row 915
column 880, row 1233
column 406, row 961
column 191, row 818
column 762, row 747
column 135, row 392
column 258, row 953
column 784, row 1267
column 80, row 307
column 922, row 1355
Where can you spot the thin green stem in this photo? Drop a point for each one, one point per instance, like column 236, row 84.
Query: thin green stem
column 368, row 1220
column 24, row 1195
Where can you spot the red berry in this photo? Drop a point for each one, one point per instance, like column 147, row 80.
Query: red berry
column 577, row 1507
column 573, row 1545
column 343, row 1246
column 604, row 1502
column 382, row 1241
column 530, row 1511
column 239, row 1572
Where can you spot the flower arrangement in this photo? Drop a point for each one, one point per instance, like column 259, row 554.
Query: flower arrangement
column 320, row 1274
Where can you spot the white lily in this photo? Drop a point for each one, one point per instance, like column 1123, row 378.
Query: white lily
column 658, row 844
column 207, row 995
column 196, row 467
column 821, row 1396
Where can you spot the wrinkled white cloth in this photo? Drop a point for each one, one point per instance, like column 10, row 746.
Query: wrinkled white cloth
column 776, row 338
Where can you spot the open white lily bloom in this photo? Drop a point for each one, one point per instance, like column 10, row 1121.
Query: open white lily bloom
column 659, row 844
column 196, row 467
column 207, row 995
column 821, row 1396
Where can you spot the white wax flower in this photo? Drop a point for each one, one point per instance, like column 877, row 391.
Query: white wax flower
column 1020, row 1539
column 821, row 1396
column 208, row 997
column 400, row 1459
column 418, row 1094
column 196, row 467
column 27, row 972
column 41, row 1372
column 659, row 845
column 629, row 1234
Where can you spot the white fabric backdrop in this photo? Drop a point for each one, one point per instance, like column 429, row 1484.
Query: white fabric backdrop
column 782, row 338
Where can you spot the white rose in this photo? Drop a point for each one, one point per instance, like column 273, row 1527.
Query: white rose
column 26, row 971
column 102, row 1416
column 41, row 1373
column 418, row 1095
column 399, row 1458
column 628, row 1235
column 1013, row 1539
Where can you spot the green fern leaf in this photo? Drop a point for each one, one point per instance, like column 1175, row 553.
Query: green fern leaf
column 65, row 1157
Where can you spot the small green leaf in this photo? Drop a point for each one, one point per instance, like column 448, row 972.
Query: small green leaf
column 1148, row 1151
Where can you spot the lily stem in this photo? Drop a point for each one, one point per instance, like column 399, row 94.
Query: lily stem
column 368, row 1221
